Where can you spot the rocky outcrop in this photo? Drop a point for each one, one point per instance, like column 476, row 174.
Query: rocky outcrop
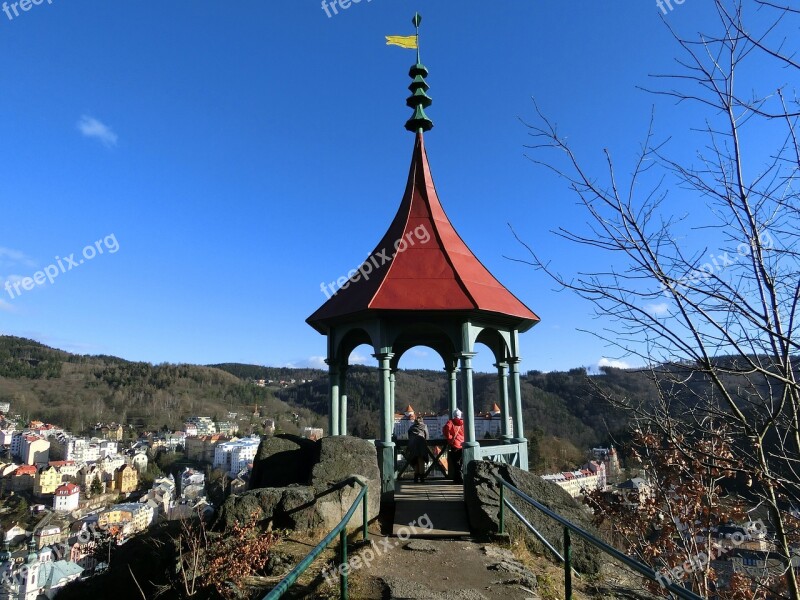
column 283, row 460
column 482, row 496
column 292, row 480
column 283, row 508
column 339, row 458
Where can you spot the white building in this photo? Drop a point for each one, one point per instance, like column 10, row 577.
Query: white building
column 577, row 483
column 66, row 447
column 202, row 425
column 487, row 425
column 5, row 437
column 138, row 461
column 34, row 450
column 66, row 497
column 234, row 456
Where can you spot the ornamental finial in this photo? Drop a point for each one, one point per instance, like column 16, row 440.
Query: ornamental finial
column 419, row 99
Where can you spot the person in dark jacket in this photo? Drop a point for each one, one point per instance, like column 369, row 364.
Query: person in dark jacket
column 453, row 432
column 418, row 448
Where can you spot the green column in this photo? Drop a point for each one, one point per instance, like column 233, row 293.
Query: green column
column 452, row 374
column 390, row 414
column 519, row 431
column 385, row 445
column 467, row 393
column 343, row 400
column 333, row 406
column 502, row 382
column 471, row 445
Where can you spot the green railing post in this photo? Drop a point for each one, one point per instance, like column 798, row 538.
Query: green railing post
column 567, row 565
column 343, row 562
column 365, row 517
column 502, row 509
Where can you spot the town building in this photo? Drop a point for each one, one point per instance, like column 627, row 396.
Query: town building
column 160, row 496
column 40, row 575
column 193, row 484
column 577, row 483
column 488, row 425
column 88, row 474
column 202, row 425
column 68, row 469
column 126, row 519
column 46, row 481
column 227, row 427
column 203, row 447
column 66, row 497
column 138, row 460
column 634, row 492
column 236, row 455
column 34, row 450
column 23, row 478
column 47, row 536
column 313, row 433
column 126, row 479
column 5, row 438
column 111, row 431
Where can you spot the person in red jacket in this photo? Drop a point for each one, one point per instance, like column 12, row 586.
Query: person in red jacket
column 453, row 432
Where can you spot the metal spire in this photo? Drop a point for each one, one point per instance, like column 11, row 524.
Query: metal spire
column 419, row 99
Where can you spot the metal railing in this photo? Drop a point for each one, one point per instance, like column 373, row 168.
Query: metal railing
column 341, row 529
column 570, row 528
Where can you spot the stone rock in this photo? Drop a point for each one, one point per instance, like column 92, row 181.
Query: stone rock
column 292, row 479
column 281, row 508
column 482, row 497
column 341, row 457
column 420, row 546
column 283, row 460
column 504, row 561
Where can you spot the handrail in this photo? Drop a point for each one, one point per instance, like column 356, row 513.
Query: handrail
column 634, row 564
column 290, row 579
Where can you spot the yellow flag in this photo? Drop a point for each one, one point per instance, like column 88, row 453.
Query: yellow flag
column 404, row 41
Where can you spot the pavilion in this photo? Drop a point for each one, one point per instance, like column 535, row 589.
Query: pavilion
column 422, row 286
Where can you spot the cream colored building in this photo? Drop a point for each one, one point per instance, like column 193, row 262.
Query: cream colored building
column 35, row 450
column 127, row 519
column 126, row 479
column 46, row 482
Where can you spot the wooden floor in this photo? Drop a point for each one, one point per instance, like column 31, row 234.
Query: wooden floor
column 434, row 509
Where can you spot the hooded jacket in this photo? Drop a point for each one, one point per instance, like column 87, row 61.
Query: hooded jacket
column 453, row 432
column 417, row 440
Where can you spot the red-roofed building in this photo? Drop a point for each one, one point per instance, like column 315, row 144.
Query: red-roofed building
column 66, row 497
column 23, row 478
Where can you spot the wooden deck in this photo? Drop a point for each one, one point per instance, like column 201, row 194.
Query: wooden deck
column 434, row 509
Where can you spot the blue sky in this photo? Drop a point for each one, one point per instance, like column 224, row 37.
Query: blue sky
column 234, row 156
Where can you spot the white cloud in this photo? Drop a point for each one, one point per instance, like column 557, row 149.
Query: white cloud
column 359, row 359
column 92, row 128
column 419, row 353
column 9, row 256
column 616, row 364
column 658, row 310
column 317, row 362
column 6, row 306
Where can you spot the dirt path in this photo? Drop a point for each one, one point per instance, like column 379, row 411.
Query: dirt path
column 439, row 570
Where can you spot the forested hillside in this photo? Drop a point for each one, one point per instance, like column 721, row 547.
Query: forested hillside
column 78, row 391
column 563, row 413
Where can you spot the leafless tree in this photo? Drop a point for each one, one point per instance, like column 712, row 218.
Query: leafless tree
column 714, row 320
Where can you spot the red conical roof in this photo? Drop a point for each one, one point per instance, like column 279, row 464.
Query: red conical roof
column 436, row 271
